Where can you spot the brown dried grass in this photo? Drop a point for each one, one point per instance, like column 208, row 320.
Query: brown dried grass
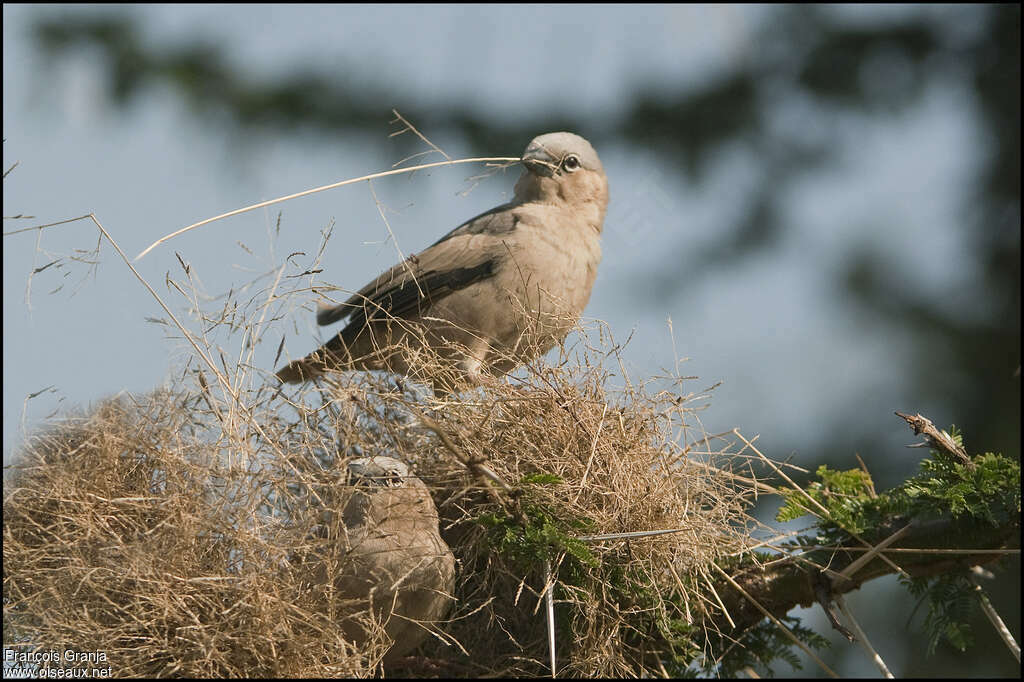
column 164, row 530
column 127, row 532
column 170, row 531
column 620, row 465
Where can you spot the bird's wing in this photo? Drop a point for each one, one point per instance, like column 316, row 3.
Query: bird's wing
column 469, row 253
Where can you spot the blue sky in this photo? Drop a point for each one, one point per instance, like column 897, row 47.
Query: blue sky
column 766, row 327
column 154, row 169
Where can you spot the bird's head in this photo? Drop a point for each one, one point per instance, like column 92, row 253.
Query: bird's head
column 562, row 167
column 377, row 472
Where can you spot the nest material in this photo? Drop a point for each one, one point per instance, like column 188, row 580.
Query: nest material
column 164, row 531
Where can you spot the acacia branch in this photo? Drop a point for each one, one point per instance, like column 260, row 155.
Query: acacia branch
column 783, row 585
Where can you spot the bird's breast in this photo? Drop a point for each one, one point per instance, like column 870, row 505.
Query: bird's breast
column 546, row 276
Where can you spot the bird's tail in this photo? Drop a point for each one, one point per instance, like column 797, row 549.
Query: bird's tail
column 298, row 371
column 333, row 355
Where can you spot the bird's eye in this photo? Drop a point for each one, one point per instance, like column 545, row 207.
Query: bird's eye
column 571, row 163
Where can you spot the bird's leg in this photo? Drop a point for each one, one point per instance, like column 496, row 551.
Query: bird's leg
column 470, row 367
column 468, row 371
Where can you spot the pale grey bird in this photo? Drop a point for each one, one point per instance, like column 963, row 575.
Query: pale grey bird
column 391, row 555
column 499, row 290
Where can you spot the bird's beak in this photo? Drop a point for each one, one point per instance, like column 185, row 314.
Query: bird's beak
column 538, row 161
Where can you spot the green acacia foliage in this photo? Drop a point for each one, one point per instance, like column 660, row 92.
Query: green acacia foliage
column 986, row 489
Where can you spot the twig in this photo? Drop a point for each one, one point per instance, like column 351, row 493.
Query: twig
column 225, row 384
column 394, row 240
column 630, row 534
column 372, row 176
column 593, row 451
column 873, row 551
column 411, row 127
column 871, row 483
column 767, row 613
column 483, row 471
column 550, row 608
column 863, row 638
column 718, row 598
column 939, row 440
column 817, row 504
column 41, row 227
column 997, row 622
column 823, row 592
column 905, row 550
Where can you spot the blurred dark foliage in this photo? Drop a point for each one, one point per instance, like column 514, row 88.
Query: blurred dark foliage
column 968, row 347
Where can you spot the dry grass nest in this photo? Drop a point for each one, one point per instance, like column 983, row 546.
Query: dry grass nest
column 162, row 529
